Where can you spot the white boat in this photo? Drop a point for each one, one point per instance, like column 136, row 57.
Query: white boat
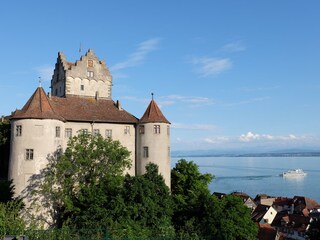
column 294, row 173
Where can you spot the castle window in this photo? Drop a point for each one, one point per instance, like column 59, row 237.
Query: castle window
column 84, row 131
column 145, row 152
column 168, row 151
column 90, row 63
column 82, row 87
column 58, row 132
column 141, row 129
column 108, row 133
column 90, row 73
column 127, row 130
column 156, row 129
column 29, row 154
column 168, row 130
column 19, row 130
column 68, row 133
column 96, row 132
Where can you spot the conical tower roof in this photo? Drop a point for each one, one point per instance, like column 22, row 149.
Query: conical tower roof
column 153, row 114
column 37, row 107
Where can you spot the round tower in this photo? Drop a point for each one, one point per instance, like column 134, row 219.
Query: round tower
column 36, row 131
column 153, row 142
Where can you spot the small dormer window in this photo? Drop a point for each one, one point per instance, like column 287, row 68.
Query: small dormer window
column 90, row 63
column 90, row 73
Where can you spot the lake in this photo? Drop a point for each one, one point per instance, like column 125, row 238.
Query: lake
column 256, row 175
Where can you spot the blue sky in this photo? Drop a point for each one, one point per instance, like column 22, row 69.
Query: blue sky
column 227, row 74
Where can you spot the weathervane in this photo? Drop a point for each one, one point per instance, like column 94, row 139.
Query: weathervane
column 40, row 80
column 80, row 48
column 152, row 95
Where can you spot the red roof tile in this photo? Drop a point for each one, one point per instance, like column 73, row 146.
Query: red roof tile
column 89, row 109
column 153, row 114
column 39, row 106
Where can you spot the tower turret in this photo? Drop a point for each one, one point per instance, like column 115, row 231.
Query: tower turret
column 87, row 77
column 153, row 142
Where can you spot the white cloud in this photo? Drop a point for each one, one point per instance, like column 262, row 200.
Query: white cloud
column 211, row 66
column 250, row 136
column 138, row 56
column 188, row 99
column 45, row 72
column 234, row 47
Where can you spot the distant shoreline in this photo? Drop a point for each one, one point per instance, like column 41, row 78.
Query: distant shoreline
column 294, row 154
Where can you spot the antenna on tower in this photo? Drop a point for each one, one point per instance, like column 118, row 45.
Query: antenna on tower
column 40, row 80
column 80, row 48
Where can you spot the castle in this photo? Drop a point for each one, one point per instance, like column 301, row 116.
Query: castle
column 80, row 100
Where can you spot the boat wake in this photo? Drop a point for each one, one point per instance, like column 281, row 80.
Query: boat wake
column 259, row 177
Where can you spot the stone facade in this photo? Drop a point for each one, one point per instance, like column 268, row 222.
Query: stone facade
column 80, row 100
column 86, row 77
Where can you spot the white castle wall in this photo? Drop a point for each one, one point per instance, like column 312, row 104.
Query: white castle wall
column 118, row 133
column 87, row 87
column 38, row 135
column 158, row 147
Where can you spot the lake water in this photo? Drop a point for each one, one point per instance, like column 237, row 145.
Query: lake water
column 256, row 175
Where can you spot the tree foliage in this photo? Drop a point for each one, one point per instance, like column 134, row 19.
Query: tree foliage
column 189, row 189
column 78, row 184
column 4, row 148
column 234, row 219
column 148, row 203
column 200, row 215
column 11, row 219
column 86, row 188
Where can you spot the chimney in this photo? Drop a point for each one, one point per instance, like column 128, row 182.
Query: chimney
column 118, row 105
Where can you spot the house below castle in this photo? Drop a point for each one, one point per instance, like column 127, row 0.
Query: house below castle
column 81, row 100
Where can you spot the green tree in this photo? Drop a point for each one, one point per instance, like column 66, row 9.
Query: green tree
column 148, row 210
column 200, row 215
column 80, row 184
column 229, row 219
column 4, row 148
column 189, row 190
column 11, row 220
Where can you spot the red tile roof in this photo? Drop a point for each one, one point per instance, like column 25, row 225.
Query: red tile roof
column 40, row 106
column 153, row 114
column 37, row 107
